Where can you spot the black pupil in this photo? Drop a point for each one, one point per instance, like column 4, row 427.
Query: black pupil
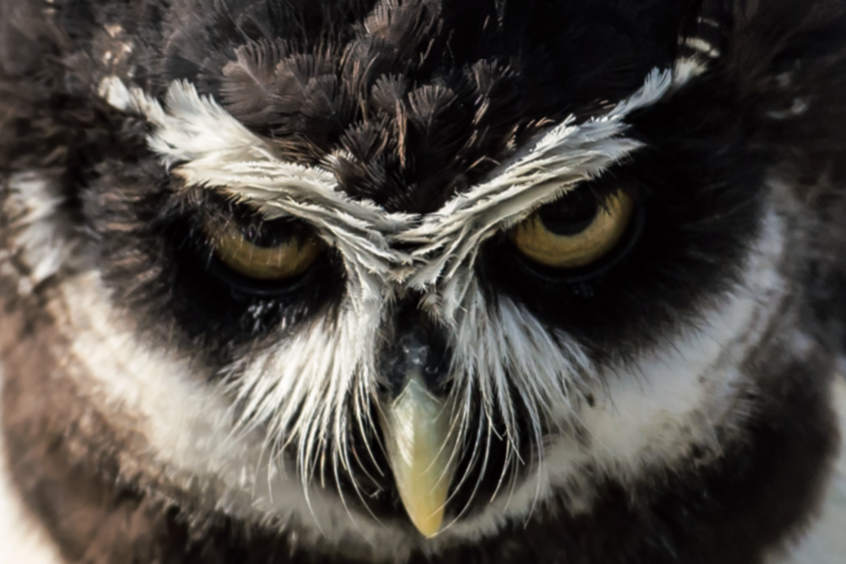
column 571, row 214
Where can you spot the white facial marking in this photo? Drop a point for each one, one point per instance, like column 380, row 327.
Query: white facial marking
column 38, row 235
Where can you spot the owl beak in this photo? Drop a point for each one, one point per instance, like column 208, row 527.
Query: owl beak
column 416, row 429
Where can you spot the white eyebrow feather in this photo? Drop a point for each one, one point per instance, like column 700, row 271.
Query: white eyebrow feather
column 556, row 163
column 206, row 146
column 203, row 144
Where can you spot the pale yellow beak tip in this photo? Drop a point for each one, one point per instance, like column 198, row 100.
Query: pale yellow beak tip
column 416, row 427
column 428, row 525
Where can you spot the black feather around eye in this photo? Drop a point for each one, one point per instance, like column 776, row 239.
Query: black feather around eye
column 697, row 208
column 157, row 262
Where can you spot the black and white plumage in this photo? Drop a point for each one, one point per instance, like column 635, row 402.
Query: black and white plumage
column 677, row 397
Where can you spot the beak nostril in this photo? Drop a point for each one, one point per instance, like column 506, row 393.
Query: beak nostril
column 414, row 343
column 414, row 350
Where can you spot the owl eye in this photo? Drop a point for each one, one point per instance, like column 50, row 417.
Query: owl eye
column 574, row 232
column 262, row 258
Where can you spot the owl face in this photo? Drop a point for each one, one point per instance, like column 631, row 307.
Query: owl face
column 369, row 270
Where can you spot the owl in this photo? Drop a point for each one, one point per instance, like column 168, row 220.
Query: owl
column 423, row 281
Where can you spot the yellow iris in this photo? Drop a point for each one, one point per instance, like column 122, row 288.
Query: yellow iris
column 535, row 240
column 282, row 261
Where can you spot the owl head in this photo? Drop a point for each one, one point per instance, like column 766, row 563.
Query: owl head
column 375, row 272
